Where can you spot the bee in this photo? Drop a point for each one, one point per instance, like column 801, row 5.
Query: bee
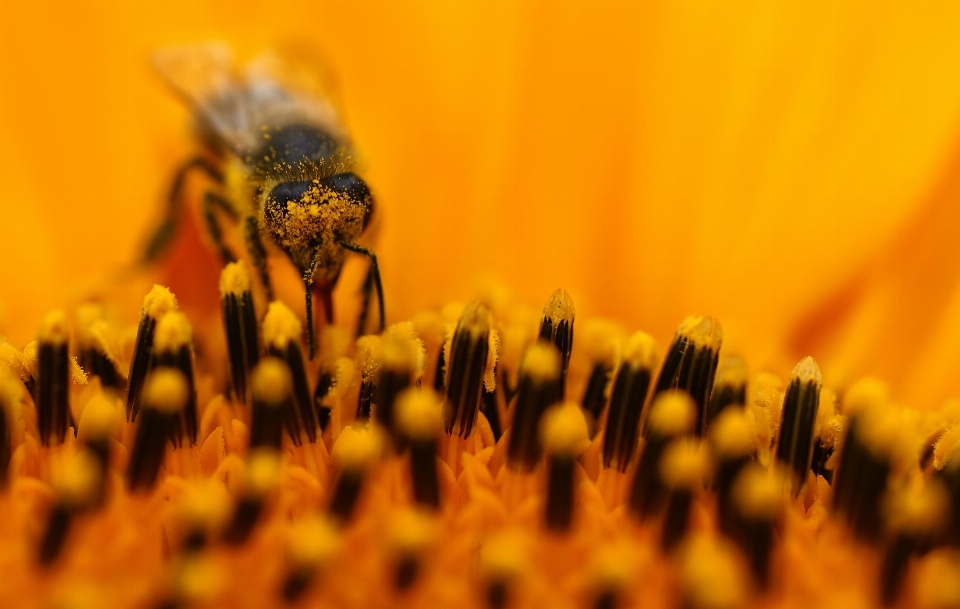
column 284, row 167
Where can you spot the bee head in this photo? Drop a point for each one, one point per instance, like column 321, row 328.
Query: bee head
column 302, row 215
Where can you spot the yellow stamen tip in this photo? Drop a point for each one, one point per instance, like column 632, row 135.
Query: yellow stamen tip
column 271, row 382
column 158, row 301
column 280, row 326
column 565, row 430
column 672, row 413
column 165, row 390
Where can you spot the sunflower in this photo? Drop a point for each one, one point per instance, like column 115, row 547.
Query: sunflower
column 787, row 168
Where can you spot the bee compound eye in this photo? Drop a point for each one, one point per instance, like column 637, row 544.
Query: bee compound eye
column 288, row 192
column 348, row 185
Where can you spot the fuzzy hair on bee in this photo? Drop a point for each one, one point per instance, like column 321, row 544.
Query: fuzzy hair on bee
column 281, row 166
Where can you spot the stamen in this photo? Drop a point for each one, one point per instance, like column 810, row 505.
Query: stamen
column 691, row 363
column 758, row 497
column 630, row 387
column 281, row 337
column 711, row 576
column 95, row 356
column 729, row 389
column 355, row 451
column 324, row 384
column 155, row 305
column 76, row 493
column 410, row 536
column 503, row 561
column 681, row 469
column 52, row 388
column 602, row 341
column 99, row 423
column 240, row 325
column 11, row 393
column 260, row 477
column 472, row 355
column 165, row 394
column 368, row 360
column 401, row 363
column 672, row 415
column 202, row 512
column 172, row 348
column 733, row 443
column 564, row 436
column 429, row 327
column 538, row 388
column 312, row 544
column 611, row 575
column 800, row 405
column 915, row 520
column 270, row 386
column 418, row 419
column 556, row 326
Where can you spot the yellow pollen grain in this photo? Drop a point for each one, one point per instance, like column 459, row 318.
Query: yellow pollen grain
column 672, row 413
column 173, row 332
column 54, row 329
column 541, row 362
column 28, row 359
column 100, row 419
column 313, row 541
column 490, row 373
column 564, row 430
column 12, row 359
column 711, row 574
column 401, row 353
column 641, row 351
column 234, row 279
column 271, row 382
column 165, row 390
column 947, row 448
column 418, row 413
column 683, row 465
column 559, row 308
column 158, row 301
column 733, row 434
column 368, row 356
column 262, row 473
column 280, row 326
column 759, row 493
column 703, row 331
column 77, row 374
column 356, row 449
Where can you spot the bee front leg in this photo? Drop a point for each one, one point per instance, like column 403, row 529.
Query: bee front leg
column 257, row 252
column 161, row 237
column 308, row 295
column 374, row 274
column 211, row 201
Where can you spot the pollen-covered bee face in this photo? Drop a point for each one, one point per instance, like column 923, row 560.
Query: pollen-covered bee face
column 302, row 216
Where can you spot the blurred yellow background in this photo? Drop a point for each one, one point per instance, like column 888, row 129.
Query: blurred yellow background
column 779, row 165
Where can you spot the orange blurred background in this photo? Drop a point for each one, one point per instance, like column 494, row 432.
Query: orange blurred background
column 752, row 160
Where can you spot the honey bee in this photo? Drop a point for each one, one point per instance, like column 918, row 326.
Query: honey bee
column 275, row 146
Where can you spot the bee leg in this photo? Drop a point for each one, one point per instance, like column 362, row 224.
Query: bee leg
column 373, row 272
column 161, row 238
column 211, row 201
column 258, row 253
column 308, row 295
column 367, row 292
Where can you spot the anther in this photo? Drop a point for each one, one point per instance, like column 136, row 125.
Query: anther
column 733, row 442
column 729, row 388
column 76, row 493
column 556, row 326
column 165, row 394
column 320, row 393
column 418, row 419
column 602, row 341
column 172, row 348
column 199, row 515
column 915, row 521
column 281, row 338
column 672, row 415
column 865, row 458
column 11, row 393
column 410, row 536
column 711, row 576
column 99, row 423
column 758, row 500
column 470, row 362
column 95, row 356
column 691, row 363
column 260, row 477
column 368, row 361
column 157, row 303
column 355, row 451
column 239, row 325
column 538, row 388
column 681, row 469
column 270, row 386
column 311, row 545
column 630, row 387
column 401, row 363
column 564, row 436
column 53, row 383
column 800, row 405
column 503, row 562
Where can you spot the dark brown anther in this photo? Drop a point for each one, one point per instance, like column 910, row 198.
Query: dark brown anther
column 402, row 357
column 681, row 469
column 281, row 338
column 800, row 405
column 53, row 379
column 556, row 327
column 758, row 500
column 173, row 348
column 165, row 394
column 11, row 393
column 733, row 443
column 630, row 388
column 672, row 415
column 155, row 305
column 916, row 521
column 259, row 479
column 93, row 352
column 691, row 363
column 468, row 360
column 538, row 389
column 270, row 386
column 324, row 383
column 564, row 435
column 418, row 419
column 729, row 388
column 239, row 326
column 355, row 451
column 76, row 493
